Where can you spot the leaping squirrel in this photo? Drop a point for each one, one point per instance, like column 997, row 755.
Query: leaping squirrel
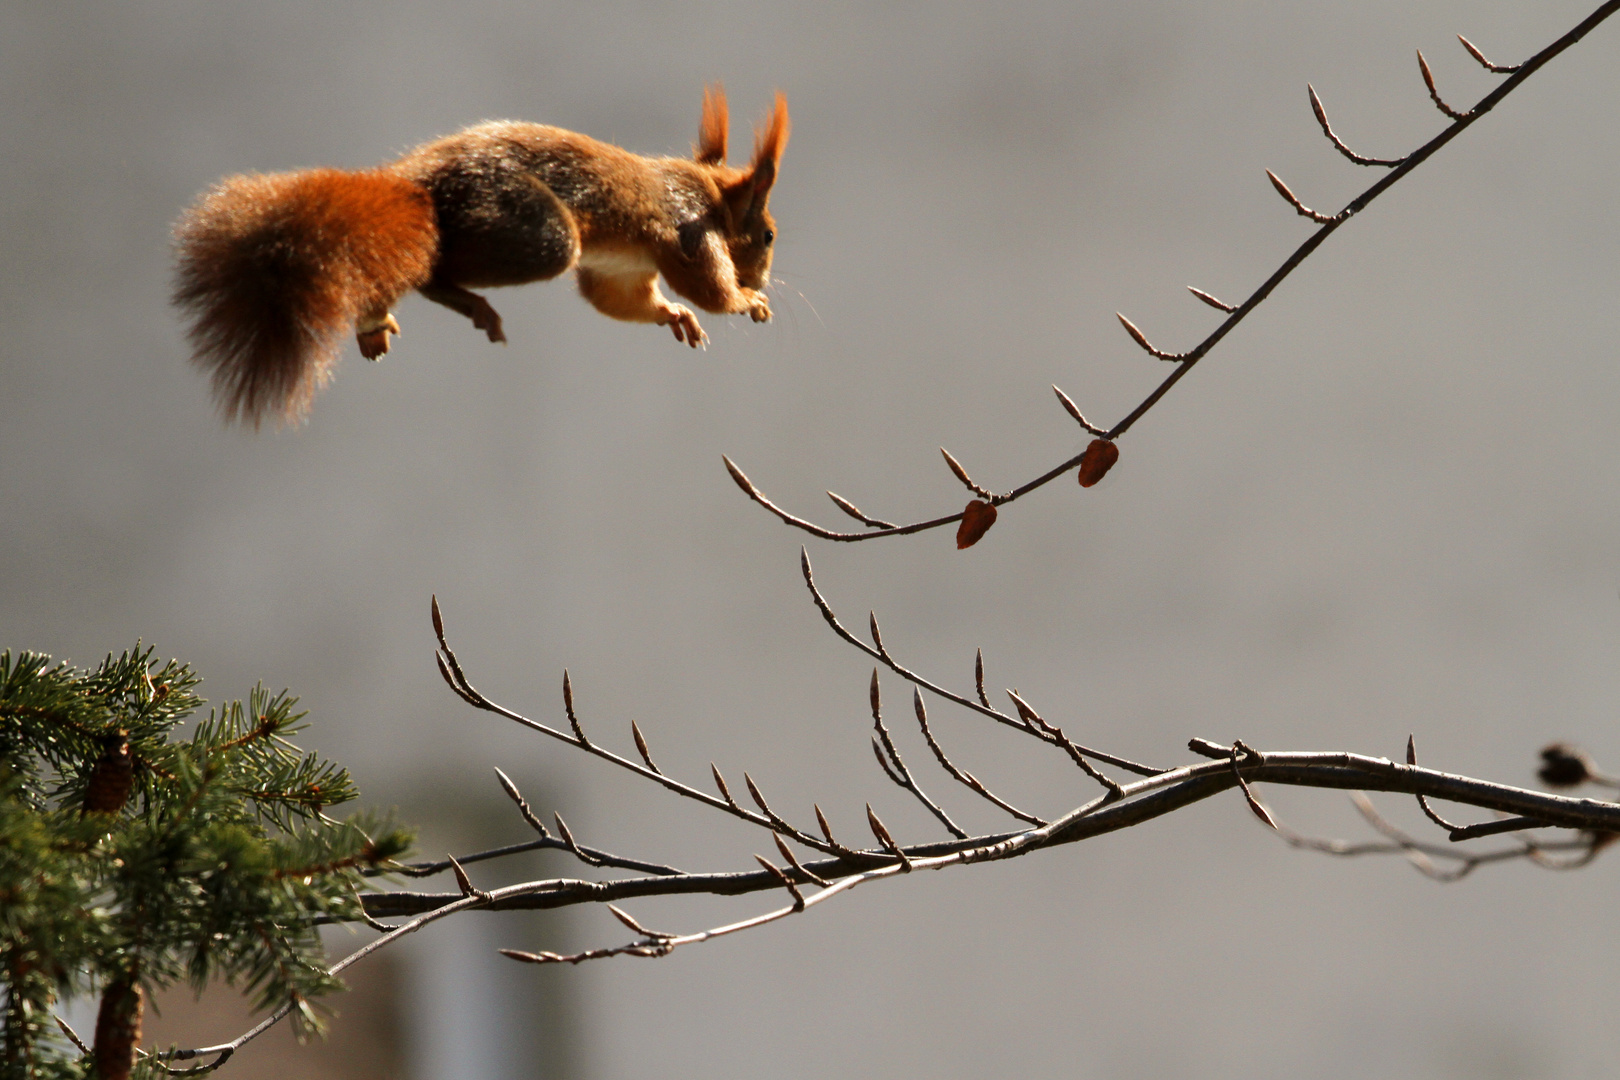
column 276, row 269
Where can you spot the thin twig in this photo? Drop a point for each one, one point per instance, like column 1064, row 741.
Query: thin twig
column 883, row 745
column 983, row 709
column 1434, row 94
column 450, row 668
column 1473, row 50
column 1338, row 144
column 961, row 775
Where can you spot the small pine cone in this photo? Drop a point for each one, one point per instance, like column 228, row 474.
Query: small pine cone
column 111, row 778
column 118, row 1030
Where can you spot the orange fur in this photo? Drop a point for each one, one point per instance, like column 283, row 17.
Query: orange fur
column 275, row 269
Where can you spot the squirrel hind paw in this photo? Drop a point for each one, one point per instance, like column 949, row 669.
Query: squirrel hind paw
column 485, row 318
column 685, row 326
column 374, row 341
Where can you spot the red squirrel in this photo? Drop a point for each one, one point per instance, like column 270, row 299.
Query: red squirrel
column 276, row 269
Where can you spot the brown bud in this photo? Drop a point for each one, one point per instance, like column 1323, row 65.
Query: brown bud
column 977, row 518
column 1097, row 460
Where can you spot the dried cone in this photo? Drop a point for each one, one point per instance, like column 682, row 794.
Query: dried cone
column 1097, row 460
column 1563, row 765
column 977, row 517
column 118, row 1030
column 111, row 777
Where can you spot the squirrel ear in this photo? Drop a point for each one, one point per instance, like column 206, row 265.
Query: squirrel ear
column 711, row 144
column 770, row 139
column 747, row 196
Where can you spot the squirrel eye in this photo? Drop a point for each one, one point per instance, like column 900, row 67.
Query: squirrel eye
column 770, row 234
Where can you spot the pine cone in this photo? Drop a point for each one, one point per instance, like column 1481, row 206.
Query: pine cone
column 111, row 778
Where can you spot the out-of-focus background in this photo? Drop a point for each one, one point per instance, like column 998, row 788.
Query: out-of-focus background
column 1388, row 504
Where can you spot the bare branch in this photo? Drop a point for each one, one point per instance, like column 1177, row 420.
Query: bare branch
column 1237, row 314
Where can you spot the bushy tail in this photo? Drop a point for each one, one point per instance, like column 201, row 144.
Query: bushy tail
column 276, row 270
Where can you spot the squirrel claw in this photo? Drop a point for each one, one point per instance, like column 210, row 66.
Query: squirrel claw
column 374, row 342
column 760, row 312
column 685, row 326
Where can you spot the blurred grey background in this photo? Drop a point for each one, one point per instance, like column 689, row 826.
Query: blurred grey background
column 1388, row 503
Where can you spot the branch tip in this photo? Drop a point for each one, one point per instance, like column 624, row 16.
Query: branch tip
column 1434, row 94
column 1293, row 200
column 720, row 782
column 568, row 707
column 1219, row 305
column 1141, row 339
column 1498, row 69
column 793, row 861
column 742, row 481
column 641, row 747
column 886, row 838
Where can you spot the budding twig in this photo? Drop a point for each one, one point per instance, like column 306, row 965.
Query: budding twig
column 1499, row 69
column 641, row 747
column 886, row 838
column 882, row 743
column 1218, row 305
column 1236, row 313
column 982, row 707
column 1338, row 144
column 1074, row 410
column 962, row 775
column 1293, row 200
column 1434, row 94
column 1423, row 803
column 855, row 512
column 1141, row 339
column 961, row 474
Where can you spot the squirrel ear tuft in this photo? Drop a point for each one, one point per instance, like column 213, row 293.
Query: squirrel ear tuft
column 748, row 194
column 770, row 139
column 711, row 144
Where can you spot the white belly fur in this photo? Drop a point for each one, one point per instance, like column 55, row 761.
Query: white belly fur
column 615, row 261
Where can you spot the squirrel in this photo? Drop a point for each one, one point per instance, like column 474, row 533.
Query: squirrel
column 274, row 270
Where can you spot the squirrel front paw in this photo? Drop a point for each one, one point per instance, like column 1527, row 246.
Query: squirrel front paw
column 373, row 341
column 685, row 325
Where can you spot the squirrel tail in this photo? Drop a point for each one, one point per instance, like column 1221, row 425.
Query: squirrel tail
column 275, row 270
